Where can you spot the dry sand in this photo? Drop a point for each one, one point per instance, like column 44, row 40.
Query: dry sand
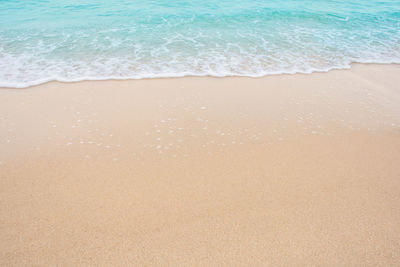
column 287, row 170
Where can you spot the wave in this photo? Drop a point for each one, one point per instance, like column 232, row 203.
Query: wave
column 6, row 84
column 75, row 40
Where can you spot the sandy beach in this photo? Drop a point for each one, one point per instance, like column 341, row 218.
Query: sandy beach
column 285, row 170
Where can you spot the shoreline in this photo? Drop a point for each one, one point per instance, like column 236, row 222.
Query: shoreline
column 260, row 76
column 279, row 170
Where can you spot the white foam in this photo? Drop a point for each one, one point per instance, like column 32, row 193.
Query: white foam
column 32, row 68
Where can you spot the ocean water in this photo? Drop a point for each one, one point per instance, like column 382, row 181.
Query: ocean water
column 72, row 40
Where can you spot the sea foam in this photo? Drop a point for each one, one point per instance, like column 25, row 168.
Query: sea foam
column 75, row 40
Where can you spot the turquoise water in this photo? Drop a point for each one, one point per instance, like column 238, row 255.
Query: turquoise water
column 43, row 40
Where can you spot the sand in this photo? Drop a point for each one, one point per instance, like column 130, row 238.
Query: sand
column 286, row 170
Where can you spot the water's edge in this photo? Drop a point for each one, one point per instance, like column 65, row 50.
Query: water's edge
column 188, row 75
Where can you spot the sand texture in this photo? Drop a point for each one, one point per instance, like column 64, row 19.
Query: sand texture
column 286, row 170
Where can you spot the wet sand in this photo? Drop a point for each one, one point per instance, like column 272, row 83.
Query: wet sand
column 288, row 170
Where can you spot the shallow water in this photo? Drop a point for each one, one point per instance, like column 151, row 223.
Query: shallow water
column 120, row 39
